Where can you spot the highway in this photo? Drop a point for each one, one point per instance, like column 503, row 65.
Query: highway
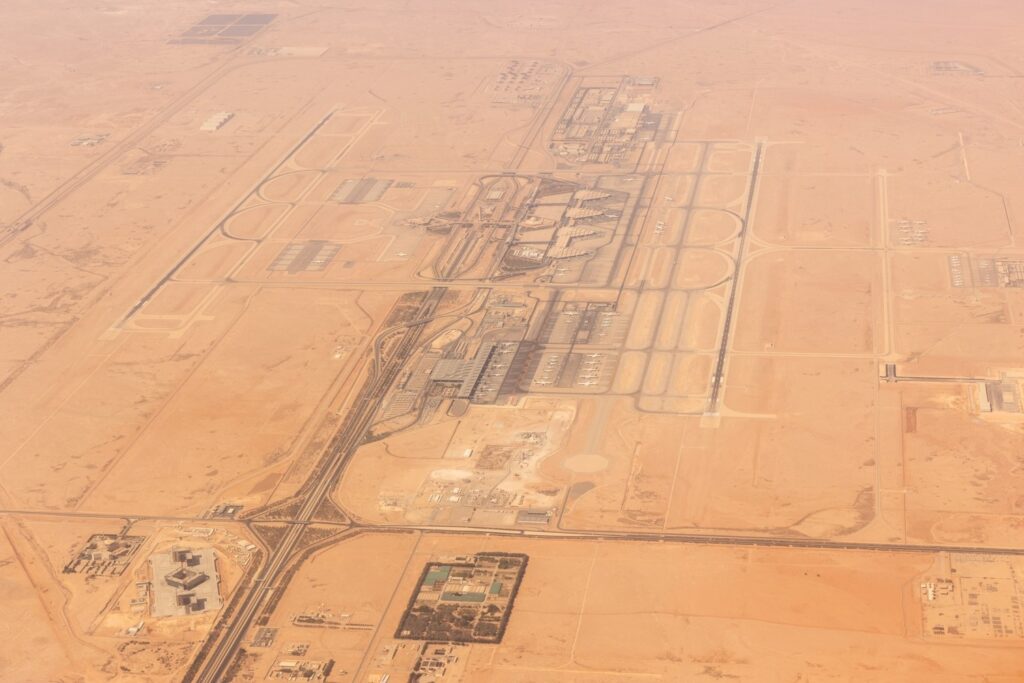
column 692, row 538
column 348, row 438
column 699, row 539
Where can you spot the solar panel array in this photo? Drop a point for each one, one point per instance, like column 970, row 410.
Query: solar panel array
column 221, row 29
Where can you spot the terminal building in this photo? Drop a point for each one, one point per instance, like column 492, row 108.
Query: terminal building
column 478, row 379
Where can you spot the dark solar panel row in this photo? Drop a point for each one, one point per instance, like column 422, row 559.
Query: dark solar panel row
column 262, row 19
column 201, row 30
column 221, row 19
column 203, row 41
column 240, row 30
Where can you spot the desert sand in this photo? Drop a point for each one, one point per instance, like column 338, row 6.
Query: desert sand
column 714, row 312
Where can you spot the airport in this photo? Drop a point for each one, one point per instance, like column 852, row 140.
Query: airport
column 399, row 342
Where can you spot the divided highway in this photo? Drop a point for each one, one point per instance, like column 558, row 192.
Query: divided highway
column 349, row 437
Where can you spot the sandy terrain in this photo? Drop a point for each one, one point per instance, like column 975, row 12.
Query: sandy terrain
column 336, row 290
column 752, row 614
